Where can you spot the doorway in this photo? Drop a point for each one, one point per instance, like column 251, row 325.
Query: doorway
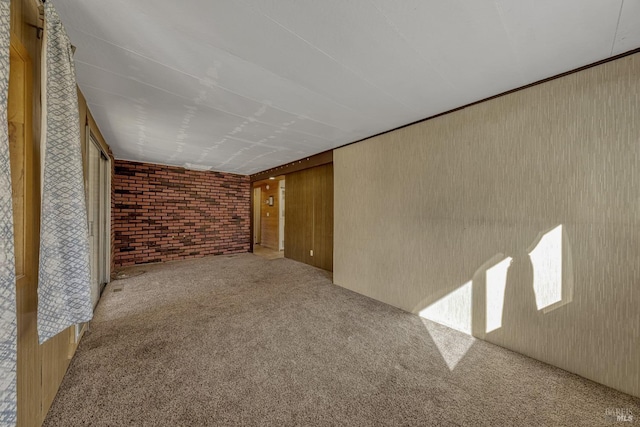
column 268, row 217
column 98, row 208
column 257, row 199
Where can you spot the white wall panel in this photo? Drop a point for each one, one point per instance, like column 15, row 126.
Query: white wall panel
column 543, row 183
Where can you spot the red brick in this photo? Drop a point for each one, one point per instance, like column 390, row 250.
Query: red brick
column 168, row 213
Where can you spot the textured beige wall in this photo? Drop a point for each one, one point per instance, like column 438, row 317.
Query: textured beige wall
column 427, row 210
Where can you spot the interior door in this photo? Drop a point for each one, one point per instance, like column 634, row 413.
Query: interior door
column 97, row 190
column 93, row 202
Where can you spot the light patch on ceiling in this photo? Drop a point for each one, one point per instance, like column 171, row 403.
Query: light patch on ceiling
column 243, row 86
column 197, row 167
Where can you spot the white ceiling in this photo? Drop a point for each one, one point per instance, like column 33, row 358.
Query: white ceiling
column 245, row 85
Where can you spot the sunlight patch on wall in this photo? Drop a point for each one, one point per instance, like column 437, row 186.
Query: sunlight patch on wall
column 452, row 310
column 546, row 259
column 496, row 277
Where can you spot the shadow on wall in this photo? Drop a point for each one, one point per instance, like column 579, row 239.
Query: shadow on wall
column 507, row 291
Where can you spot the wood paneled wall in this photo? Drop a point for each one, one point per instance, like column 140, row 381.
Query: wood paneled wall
column 41, row 368
column 309, row 217
column 23, row 175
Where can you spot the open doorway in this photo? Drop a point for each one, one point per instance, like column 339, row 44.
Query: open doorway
column 257, row 203
column 268, row 217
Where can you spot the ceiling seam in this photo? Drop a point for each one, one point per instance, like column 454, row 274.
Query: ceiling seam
column 217, row 109
column 409, row 109
column 250, row 143
column 236, row 169
column 229, row 170
column 615, row 33
column 252, row 118
column 164, row 152
column 247, row 163
column 261, row 144
column 293, row 82
column 510, row 39
column 412, row 47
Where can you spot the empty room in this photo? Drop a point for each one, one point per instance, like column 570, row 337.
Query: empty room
column 297, row 213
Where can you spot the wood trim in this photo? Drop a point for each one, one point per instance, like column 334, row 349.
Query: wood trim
column 306, row 163
column 557, row 76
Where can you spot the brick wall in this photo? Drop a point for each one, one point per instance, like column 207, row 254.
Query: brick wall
column 165, row 213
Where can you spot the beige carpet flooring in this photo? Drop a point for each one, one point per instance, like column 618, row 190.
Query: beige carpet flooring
column 242, row 340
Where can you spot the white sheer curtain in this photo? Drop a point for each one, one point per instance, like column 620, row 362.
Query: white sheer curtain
column 64, row 295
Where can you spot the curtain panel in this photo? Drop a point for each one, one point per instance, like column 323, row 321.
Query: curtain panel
column 64, row 295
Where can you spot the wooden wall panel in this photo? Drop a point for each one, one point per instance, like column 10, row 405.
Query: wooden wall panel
column 56, row 355
column 298, row 234
column 40, row 368
column 87, row 119
column 25, row 203
column 309, row 217
column 323, row 218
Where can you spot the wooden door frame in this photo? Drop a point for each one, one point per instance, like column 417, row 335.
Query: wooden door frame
column 92, row 139
column 29, row 358
column 256, row 225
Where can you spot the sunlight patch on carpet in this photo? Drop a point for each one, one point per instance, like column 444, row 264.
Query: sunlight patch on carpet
column 453, row 346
